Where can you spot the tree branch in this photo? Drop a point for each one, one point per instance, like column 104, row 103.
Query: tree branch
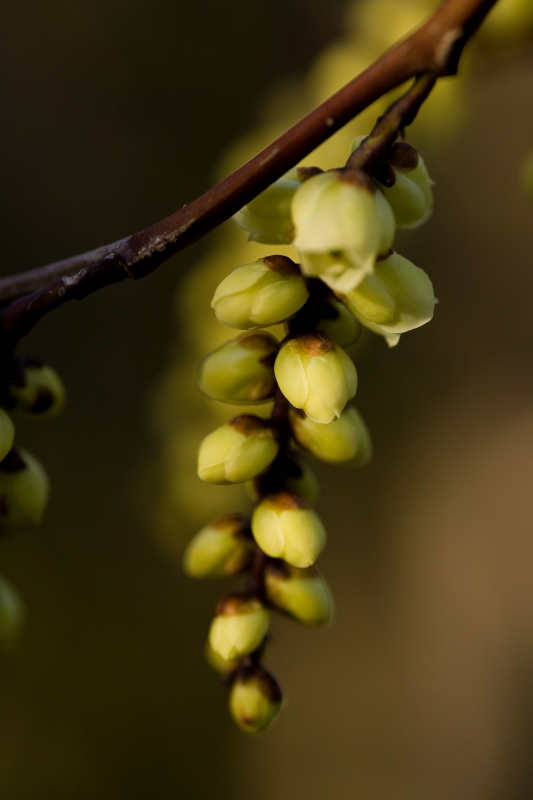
column 435, row 49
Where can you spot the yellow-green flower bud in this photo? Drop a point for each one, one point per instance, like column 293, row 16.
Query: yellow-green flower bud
column 397, row 298
column 266, row 292
column 316, row 375
column 238, row 451
column 302, row 593
column 339, row 323
column 255, row 699
column 267, row 218
column 35, row 389
column 344, row 441
column 241, row 370
column 7, row 434
column 11, row 615
column 24, row 489
column 285, row 527
column 411, row 195
column 342, row 223
column 239, row 627
column 218, row 663
column 220, row 549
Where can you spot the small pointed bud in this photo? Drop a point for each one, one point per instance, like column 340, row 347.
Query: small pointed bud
column 284, row 526
column 11, row 615
column 239, row 627
column 411, row 195
column 24, row 489
column 343, row 441
column 255, row 699
column 342, row 223
column 35, row 389
column 241, row 370
column 220, row 549
column 7, row 433
column 266, row 292
column 316, row 375
column 339, row 323
column 301, row 593
column 218, row 663
column 397, row 298
column 238, row 451
column 267, row 218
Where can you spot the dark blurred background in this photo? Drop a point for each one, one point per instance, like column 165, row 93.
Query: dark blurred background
column 114, row 115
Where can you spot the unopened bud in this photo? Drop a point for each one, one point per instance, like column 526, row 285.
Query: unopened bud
column 255, row 699
column 397, row 298
column 267, row 218
column 218, row 663
column 239, row 627
column 344, row 441
column 35, row 389
column 238, row 451
column 284, row 526
column 302, row 593
column 316, row 375
column 241, row 370
column 342, row 223
column 7, row 433
column 339, row 323
column 411, row 195
column 24, row 489
column 220, row 549
column 11, row 615
column 266, row 292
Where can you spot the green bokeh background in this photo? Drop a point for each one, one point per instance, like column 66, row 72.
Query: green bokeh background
column 113, row 116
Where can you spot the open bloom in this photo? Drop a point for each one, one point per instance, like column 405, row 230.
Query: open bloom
column 285, row 527
column 342, row 223
column 316, row 375
column 396, row 298
column 240, row 625
column 268, row 291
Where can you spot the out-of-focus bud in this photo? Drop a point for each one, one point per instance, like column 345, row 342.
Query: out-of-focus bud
column 339, row 323
column 267, row 218
column 342, row 223
column 241, row 370
column 240, row 625
column 255, row 699
column 266, row 292
column 397, row 298
column 11, row 615
column 34, row 389
column 411, row 195
column 344, row 441
column 302, row 593
column 7, row 434
column 284, row 526
column 293, row 474
column 218, row 663
column 238, row 451
column 316, row 375
column 24, row 489
column 220, row 549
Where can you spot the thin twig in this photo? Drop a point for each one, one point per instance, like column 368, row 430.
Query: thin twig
column 433, row 48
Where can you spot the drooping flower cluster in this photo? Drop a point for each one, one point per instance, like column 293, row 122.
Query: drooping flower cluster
column 342, row 224
column 29, row 388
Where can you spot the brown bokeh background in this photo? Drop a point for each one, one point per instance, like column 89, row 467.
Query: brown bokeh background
column 113, row 116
